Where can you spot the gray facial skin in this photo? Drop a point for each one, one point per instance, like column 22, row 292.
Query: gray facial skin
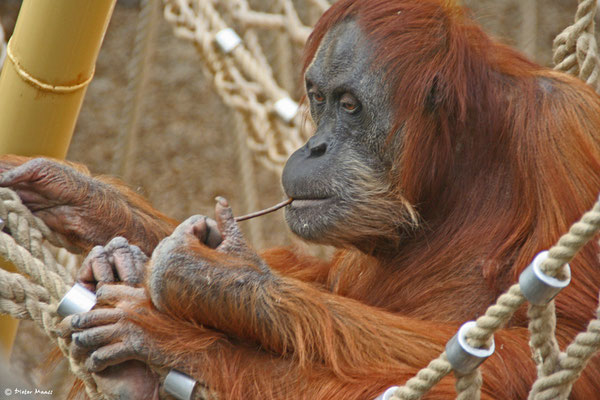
column 340, row 170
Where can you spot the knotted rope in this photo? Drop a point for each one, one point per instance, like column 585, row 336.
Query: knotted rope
column 37, row 296
column 575, row 52
column 575, row 48
column 45, row 273
column 244, row 78
column 246, row 82
column 558, row 385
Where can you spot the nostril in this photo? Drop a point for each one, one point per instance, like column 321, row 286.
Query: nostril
column 318, row 150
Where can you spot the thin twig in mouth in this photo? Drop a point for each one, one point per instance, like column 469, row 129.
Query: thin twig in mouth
column 265, row 211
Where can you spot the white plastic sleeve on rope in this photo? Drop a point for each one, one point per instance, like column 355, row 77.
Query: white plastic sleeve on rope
column 539, row 288
column 286, row 109
column 227, row 40
column 463, row 357
column 77, row 300
column 387, row 395
column 179, row 385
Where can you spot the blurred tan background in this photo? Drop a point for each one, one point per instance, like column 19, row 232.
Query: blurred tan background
column 184, row 153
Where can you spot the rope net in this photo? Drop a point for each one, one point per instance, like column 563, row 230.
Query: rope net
column 247, row 82
column 39, row 254
column 257, row 73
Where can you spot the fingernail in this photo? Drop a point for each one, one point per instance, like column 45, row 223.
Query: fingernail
column 222, row 201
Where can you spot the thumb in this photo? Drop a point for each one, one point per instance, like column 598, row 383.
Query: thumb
column 224, row 216
column 233, row 240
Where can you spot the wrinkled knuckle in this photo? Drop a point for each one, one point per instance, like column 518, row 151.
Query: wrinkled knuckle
column 118, row 243
column 119, row 315
column 103, row 292
column 137, row 346
column 97, row 250
column 163, row 251
column 137, row 252
column 39, row 162
column 94, row 254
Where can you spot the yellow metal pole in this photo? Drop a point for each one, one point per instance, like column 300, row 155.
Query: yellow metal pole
column 50, row 61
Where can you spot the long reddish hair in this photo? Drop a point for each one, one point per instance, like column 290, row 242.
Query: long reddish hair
column 495, row 157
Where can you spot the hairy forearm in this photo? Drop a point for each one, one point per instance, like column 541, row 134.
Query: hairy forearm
column 289, row 317
column 125, row 213
column 234, row 370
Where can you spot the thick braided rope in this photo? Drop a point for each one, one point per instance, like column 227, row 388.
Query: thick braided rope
column 543, row 343
column 24, row 299
column 34, row 298
column 425, row 379
column 575, row 48
column 34, row 268
column 10, row 202
column 542, row 318
column 575, row 51
column 288, row 22
column 572, row 362
column 558, row 372
column 498, row 314
column 21, row 298
column 468, row 387
column 19, row 222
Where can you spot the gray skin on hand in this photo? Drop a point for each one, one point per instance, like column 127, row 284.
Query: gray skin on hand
column 350, row 104
column 118, row 261
column 112, row 348
column 108, row 345
column 65, row 199
column 222, row 234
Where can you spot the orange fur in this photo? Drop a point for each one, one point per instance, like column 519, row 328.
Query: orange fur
column 499, row 157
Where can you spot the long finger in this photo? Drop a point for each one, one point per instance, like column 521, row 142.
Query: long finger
column 112, row 354
column 128, row 260
column 95, row 269
column 233, row 240
column 11, row 161
column 64, row 328
column 113, row 294
column 96, row 337
column 16, row 175
column 101, row 316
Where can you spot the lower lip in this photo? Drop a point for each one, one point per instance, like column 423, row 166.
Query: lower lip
column 308, row 202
